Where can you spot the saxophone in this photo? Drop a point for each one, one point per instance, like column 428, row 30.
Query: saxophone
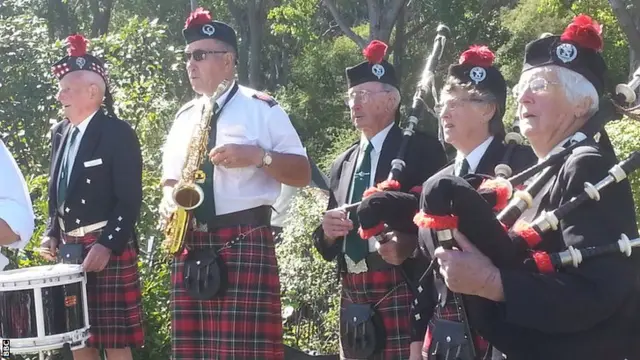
column 187, row 193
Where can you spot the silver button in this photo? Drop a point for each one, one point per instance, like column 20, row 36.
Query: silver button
column 82, row 201
column 448, row 338
column 77, row 221
column 418, row 317
column 67, row 209
column 117, row 229
column 110, row 237
column 119, row 218
column 88, row 181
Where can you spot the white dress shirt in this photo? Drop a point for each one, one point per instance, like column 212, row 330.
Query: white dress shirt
column 473, row 158
column 376, row 141
column 15, row 203
column 72, row 151
column 244, row 120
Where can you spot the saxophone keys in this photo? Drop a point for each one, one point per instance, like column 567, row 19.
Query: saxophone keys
column 199, row 177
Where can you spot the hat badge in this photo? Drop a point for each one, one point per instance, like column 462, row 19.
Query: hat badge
column 208, row 29
column 378, row 70
column 80, row 62
column 566, row 52
column 478, row 74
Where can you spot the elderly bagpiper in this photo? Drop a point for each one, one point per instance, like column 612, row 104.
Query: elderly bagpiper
column 376, row 299
column 95, row 194
column 225, row 299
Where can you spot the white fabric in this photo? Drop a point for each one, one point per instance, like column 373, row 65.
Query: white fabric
column 72, row 151
column 474, row 157
column 15, row 204
column 244, row 120
column 377, row 141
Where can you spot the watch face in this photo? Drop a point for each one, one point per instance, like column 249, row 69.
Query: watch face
column 267, row 159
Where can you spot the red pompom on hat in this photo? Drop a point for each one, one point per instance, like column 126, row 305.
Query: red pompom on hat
column 477, row 55
column 199, row 16
column 76, row 45
column 375, row 51
column 585, row 32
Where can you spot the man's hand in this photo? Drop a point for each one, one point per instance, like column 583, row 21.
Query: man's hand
column 415, row 350
column 49, row 248
column 469, row 271
column 167, row 205
column 398, row 247
column 335, row 224
column 97, row 258
column 236, row 155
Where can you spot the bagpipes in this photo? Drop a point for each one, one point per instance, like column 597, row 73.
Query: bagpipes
column 419, row 110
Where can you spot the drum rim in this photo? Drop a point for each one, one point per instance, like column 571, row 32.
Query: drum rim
column 32, row 273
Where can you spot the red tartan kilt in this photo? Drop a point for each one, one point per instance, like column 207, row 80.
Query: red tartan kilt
column 114, row 298
column 245, row 322
column 370, row 287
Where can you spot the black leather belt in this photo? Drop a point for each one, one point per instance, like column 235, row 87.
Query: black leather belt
column 258, row 216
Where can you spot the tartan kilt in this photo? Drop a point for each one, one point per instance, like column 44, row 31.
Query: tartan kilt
column 371, row 286
column 245, row 321
column 114, row 298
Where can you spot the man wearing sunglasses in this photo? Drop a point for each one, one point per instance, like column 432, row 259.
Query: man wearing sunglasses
column 225, row 299
column 367, row 280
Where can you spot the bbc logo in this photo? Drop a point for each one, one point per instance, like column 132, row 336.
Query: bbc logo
column 6, row 349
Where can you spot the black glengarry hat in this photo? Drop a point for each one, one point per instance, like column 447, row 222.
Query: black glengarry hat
column 578, row 49
column 200, row 25
column 78, row 59
column 374, row 69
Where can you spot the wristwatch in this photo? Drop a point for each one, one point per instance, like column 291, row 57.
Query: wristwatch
column 266, row 159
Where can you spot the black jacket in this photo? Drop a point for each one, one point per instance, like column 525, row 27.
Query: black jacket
column 105, row 183
column 522, row 157
column 424, row 157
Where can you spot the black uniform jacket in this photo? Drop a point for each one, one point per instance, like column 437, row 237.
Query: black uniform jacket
column 105, row 183
column 522, row 157
column 589, row 312
column 424, row 157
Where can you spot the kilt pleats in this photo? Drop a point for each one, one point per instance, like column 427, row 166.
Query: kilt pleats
column 370, row 288
column 114, row 298
column 245, row 322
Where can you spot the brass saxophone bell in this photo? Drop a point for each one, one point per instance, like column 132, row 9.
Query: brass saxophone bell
column 188, row 196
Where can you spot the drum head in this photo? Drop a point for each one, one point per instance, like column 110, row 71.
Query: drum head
column 39, row 274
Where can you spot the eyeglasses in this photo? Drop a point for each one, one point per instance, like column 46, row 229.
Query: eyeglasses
column 453, row 104
column 200, row 55
column 536, row 85
column 364, row 96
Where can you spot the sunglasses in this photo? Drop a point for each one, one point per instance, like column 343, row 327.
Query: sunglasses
column 200, row 55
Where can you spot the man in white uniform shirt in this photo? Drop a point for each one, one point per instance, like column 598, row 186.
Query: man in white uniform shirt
column 225, row 288
column 16, row 212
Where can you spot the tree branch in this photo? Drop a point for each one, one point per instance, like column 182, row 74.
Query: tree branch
column 627, row 24
column 392, row 14
column 343, row 25
column 417, row 29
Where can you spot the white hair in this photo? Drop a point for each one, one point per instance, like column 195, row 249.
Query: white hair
column 395, row 93
column 577, row 87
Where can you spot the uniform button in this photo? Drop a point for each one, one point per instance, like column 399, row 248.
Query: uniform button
column 67, row 210
column 117, row 229
column 88, row 181
column 83, row 201
column 119, row 218
column 77, row 221
column 110, row 237
column 448, row 338
column 418, row 317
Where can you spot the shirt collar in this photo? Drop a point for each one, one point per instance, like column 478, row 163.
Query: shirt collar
column 474, row 156
column 377, row 140
column 224, row 96
column 82, row 127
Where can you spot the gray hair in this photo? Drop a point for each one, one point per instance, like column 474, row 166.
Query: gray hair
column 577, row 87
column 395, row 93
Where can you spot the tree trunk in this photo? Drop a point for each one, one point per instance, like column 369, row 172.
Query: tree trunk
column 256, row 28
column 101, row 12
column 243, row 41
column 399, row 44
column 629, row 20
column 382, row 18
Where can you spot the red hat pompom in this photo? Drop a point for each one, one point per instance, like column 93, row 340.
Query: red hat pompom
column 585, row 32
column 477, row 56
column 199, row 16
column 76, row 45
column 375, row 51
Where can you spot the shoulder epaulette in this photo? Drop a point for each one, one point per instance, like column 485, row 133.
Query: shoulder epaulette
column 266, row 98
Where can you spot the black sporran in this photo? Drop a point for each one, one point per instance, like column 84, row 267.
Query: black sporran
column 450, row 341
column 204, row 274
column 362, row 331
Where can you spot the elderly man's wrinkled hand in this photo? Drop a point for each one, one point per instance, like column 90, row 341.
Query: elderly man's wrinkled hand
column 468, row 271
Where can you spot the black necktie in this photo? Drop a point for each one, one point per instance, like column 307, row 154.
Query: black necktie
column 207, row 210
column 464, row 168
column 64, row 168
